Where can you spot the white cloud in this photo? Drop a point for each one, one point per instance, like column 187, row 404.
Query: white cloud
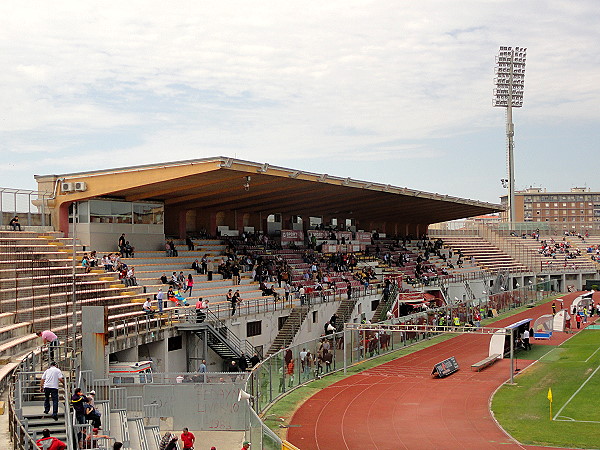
column 273, row 79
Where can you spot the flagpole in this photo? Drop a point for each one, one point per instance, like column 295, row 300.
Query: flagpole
column 550, row 400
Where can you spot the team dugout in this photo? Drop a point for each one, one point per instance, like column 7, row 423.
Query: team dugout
column 201, row 196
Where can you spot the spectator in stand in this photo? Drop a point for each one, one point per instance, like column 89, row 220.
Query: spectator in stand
column 147, row 308
column 189, row 285
column 231, row 300
column 93, row 259
column 50, row 339
column 189, row 243
column 85, row 263
column 49, row 386
column 201, row 307
column 14, row 223
column 210, row 268
column 121, row 243
column 77, row 402
column 302, row 295
column 128, row 250
column 236, row 297
column 91, row 413
column 106, row 262
column 130, row 279
column 196, row 267
column 48, row 442
column 173, row 248
column 174, row 280
column 235, row 272
column 171, row 294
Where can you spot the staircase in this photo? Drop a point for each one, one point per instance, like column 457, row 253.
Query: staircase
column 290, row 329
column 344, row 311
column 221, row 339
column 502, row 282
column 384, row 306
column 29, row 401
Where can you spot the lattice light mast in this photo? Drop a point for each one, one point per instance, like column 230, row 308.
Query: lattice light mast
column 508, row 93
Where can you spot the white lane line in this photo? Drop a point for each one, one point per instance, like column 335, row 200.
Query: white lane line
column 576, row 392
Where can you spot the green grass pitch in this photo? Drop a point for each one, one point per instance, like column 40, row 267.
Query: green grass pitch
column 572, row 370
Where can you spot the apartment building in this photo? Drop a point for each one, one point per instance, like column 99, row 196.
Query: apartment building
column 577, row 210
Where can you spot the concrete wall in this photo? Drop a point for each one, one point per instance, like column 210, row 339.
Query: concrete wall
column 104, row 237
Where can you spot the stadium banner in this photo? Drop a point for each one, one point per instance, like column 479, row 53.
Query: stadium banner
column 346, row 248
column 288, row 236
column 346, row 235
column 363, row 236
column 319, row 234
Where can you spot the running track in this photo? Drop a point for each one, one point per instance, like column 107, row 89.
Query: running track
column 398, row 405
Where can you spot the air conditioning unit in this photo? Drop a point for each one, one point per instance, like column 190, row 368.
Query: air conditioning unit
column 80, row 186
column 67, row 187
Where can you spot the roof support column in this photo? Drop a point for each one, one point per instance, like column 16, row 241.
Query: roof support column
column 63, row 218
column 182, row 223
column 239, row 221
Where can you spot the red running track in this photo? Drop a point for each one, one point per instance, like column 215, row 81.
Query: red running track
column 398, row 405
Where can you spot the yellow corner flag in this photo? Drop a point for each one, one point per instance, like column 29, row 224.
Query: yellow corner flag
column 550, row 398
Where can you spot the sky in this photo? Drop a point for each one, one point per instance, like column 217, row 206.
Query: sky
column 391, row 92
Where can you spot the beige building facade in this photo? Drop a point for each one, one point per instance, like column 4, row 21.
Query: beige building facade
column 575, row 211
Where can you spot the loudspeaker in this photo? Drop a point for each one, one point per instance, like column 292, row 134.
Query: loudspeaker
column 243, row 395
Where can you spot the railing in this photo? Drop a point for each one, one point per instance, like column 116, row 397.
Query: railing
column 30, row 206
column 243, row 346
column 143, row 323
column 24, row 387
column 21, row 439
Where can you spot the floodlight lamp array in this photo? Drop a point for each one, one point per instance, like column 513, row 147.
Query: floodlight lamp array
column 510, row 77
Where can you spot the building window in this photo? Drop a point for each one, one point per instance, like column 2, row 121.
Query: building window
column 255, row 328
column 315, row 318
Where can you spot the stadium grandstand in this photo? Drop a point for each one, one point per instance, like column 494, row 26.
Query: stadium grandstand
column 230, row 282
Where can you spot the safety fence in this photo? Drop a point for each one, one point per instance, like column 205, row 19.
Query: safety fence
column 29, row 206
column 24, row 394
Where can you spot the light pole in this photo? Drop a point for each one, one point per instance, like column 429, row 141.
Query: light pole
column 509, row 83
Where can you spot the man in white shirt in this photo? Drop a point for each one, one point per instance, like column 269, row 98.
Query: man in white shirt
column 49, row 386
column 303, row 355
column 526, row 339
column 147, row 307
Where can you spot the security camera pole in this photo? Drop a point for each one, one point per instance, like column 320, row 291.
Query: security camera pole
column 508, row 93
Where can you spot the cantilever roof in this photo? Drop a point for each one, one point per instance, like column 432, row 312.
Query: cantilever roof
column 218, row 184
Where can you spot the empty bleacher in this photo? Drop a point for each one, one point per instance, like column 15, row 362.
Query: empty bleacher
column 485, row 255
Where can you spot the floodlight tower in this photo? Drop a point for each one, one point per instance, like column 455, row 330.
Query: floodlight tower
column 508, row 93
